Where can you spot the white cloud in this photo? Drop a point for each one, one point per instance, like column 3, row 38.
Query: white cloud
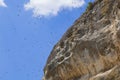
column 51, row 7
column 2, row 3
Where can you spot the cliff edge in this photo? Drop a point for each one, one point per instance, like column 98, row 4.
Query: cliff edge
column 90, row 49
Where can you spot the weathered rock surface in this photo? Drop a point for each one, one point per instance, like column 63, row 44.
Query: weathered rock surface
column 90, row 49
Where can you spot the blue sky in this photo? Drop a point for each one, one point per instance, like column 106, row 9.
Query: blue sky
column 27, row 36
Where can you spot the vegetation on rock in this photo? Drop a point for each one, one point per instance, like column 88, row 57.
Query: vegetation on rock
column 90, row 6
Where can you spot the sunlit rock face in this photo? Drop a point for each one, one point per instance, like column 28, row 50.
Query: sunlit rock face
column 90, row 49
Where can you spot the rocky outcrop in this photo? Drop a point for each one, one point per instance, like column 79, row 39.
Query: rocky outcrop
column 90, row 49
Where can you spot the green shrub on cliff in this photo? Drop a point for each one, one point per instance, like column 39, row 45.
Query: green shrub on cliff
column 90, row 6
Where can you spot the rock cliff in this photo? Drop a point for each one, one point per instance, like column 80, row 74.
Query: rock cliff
column 90, row 49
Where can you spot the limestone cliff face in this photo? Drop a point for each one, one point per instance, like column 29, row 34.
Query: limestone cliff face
column 90, row 49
